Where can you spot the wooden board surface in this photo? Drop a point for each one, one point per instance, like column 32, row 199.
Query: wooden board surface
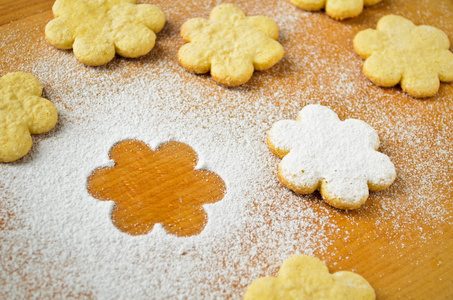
column 399, row 263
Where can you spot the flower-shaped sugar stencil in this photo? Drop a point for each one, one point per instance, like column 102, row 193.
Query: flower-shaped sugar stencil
column 150, row 187
column 339, row 158
column 398, row 51
column 22, row 112
column 306, row 277
column 96, row 30
column 337, row 9
column 229, row 44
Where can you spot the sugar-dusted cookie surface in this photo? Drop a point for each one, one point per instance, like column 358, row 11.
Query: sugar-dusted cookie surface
column 339, row 158
column 306, row 277
column 229, row 44
column 417, row 57
column 96, row 30
column 337, row 9
column 22, row 112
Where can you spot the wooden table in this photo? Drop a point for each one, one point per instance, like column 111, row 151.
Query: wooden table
column 398, row 262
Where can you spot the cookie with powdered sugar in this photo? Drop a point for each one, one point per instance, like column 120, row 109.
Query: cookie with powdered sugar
column 338, row 158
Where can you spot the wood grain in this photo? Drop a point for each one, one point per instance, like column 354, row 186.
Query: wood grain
column 18, row 10
column 156, row 187
column 400, row 263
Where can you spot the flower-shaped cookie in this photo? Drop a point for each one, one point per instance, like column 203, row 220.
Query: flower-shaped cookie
column 306, row 277
column 22, row 112
column 150, row 187
column 337, row 157
column 229, row 44
column 96, row 30
column 337, row 9
column 417, row 57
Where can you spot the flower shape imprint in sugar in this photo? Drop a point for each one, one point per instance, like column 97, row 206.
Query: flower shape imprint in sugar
column 229, row 44
column 398, row 51
column 97, row 29
column 150, row 187
column 339, row 158
column 337, row 9
column 306, row 277
column 22, row 112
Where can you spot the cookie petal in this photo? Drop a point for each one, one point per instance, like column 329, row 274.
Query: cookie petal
column 311, row 5
column 341, row 9
column 265, row 24
column 134, row 41
column 193, row 57
column 93, row 51
column 283, row 136
column 383, row 69
column 394, row 23
column 420, row 82
column 21, row 84
column 15, row 141
column 444, row 63
column 268, row 53
column 194, row 28
column 298, row 172
column 368, row 41
column 231, row 71
column 152, row 16
column 345, row 193
column 60, row 33
column 226, row 13
column 349, row 285
column 382, row 176
column 42, row 114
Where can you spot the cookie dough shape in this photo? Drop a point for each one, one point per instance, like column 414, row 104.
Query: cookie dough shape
column 229, row 44
column 96, row 30
column 417, row 57
column 339, row 158
column 306, row 277
column 336, row 9
column 22, row 112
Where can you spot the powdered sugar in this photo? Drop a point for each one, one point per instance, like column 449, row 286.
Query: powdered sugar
column 60, row 242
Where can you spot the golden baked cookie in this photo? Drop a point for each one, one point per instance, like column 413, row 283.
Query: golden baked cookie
column 306, row 277
column 229, row 44
column 22, row 112
column 339, row 158
column 416, row 57
column 337, row 9
column 96, row 30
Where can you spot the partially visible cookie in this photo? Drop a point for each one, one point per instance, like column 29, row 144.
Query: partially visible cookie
column 229, row 44
column 22, row 112
column 306, row 277
column 96, row 30
column 339, row 158
column 337, row 9
column 416, row 57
